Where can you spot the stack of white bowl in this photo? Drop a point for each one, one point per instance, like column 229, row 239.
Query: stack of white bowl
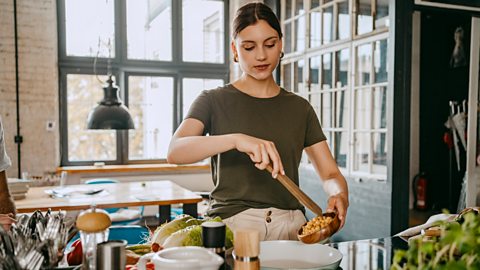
column 18, row 188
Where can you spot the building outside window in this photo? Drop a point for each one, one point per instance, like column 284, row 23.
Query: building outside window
column 161, row 53
column 336, row 58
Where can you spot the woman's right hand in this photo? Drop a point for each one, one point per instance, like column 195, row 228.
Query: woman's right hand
column 6, row 220
column 261, row 152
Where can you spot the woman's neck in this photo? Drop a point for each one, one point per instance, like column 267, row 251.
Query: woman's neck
column 257, row 88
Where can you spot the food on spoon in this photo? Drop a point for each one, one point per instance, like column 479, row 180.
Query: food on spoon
column 316, row 224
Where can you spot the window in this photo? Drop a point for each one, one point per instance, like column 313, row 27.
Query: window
column 161, row 53
column 343, row 74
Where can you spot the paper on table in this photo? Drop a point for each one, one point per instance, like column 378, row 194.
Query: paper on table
column 430, row 222
column 68, row 191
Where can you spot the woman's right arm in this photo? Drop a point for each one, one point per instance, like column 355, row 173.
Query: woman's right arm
column 188, row 145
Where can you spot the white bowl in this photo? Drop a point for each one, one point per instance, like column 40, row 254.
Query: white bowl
column 185, row 258
column 297, row 255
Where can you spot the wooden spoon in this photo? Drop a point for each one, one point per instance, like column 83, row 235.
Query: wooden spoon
column 303, row 198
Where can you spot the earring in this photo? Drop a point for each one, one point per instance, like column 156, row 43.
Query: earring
column 282, row 55
column 235, row 58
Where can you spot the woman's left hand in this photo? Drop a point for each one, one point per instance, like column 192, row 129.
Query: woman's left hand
column 339, row 203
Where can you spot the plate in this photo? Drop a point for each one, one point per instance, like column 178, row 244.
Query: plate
column 285, row 254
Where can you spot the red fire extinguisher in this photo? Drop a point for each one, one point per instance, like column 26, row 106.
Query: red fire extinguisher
column 419, row 187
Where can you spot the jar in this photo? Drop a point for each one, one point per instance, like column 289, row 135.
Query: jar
column 93, row 225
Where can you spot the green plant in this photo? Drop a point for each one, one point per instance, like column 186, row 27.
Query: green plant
column 458, row 247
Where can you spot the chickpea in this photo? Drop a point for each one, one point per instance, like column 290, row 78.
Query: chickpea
column 316, row 224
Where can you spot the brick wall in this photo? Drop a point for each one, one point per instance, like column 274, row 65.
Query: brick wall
column 38, row 83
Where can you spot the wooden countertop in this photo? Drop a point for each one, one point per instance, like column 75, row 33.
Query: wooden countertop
column 134, row 168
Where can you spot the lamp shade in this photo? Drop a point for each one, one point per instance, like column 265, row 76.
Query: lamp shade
column 110, row 112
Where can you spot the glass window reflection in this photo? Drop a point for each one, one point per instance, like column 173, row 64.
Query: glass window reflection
column 364, row 17
column 150, row 97
column 361, row 151
column 380, row 107
column 327, row 73
column 380, row 61
column 363, row 65
column 203, row 31
column 300, row 34
column 315, row 29
column 341, row 148
column 328, row 24
column 363, row 105
column 149, row 38
column 343, row 29
column 342, row 63
column 95, row 21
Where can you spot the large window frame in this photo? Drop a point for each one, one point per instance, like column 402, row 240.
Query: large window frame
column 122, row 68
column 300, row 80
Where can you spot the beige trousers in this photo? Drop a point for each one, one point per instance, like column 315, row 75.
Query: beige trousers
column 272, row 223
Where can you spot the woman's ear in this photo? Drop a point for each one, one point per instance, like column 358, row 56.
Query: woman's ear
column 234, row 51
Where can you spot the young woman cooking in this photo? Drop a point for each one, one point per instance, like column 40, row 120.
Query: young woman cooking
column 252, row 122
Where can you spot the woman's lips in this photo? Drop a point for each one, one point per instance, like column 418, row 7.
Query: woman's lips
column 262, row 67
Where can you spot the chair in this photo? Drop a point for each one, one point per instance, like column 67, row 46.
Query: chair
column 118, row 215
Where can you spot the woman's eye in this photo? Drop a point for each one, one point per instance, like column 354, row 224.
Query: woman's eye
column 270, row 45
column 248, row 48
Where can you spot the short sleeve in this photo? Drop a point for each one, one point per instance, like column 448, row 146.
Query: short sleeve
column 201, row 110
column 4, row 159
column 314, row 133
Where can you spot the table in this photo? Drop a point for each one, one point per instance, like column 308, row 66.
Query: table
column 114, row 195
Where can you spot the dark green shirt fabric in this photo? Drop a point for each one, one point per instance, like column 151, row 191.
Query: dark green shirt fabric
column 287, row 119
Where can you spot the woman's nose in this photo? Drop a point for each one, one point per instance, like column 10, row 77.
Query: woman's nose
column 261, row 55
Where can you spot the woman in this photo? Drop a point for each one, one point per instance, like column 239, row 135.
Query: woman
column 7, row 207
column 253, row 122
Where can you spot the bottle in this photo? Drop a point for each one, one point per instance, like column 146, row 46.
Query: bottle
column 246, row 250
column 213, row 238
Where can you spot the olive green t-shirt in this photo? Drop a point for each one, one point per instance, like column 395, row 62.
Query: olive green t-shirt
column 287, row 119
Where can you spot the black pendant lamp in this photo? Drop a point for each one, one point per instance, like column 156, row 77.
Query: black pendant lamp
column 110, row 112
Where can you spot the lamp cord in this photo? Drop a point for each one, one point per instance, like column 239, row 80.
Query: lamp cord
column 18, row 137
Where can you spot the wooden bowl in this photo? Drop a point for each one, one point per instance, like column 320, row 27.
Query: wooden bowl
column 321, row 234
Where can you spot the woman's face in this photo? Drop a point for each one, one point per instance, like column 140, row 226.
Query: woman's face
column 258, row 49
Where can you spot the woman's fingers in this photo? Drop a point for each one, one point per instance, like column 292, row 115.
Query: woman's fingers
column 337, row 204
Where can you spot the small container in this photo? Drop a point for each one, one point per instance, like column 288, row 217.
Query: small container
column 93, row 225
column 185, row 258
column 246, row 250
column 111, row 255
column 213, row 238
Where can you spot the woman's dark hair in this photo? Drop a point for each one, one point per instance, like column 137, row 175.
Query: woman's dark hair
column 250, row 14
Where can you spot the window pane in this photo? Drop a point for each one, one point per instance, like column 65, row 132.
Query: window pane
column 364, row 62
column 192, row 87
column 203, row 31
column 342, row 112
column 314, row 99
column 361, row 151
column 380, row 60
column 300, row 34
column 88, row 22
column 363, row 105
column 151, row 105
column 327, row 109
column 288, row 9
column 328, row 25
column 149, row 30
column 381, row 17
column 380, row 153
column 341, row 148
column 83, row 94
column 314, row 73
column 364, row 17
column 327, row 73
column 287, row 76
column 314, row 3
column 343, row 21
column 380, row 107
column 315, row 29
column 341, row 67
column 298, row 71
column 299, row 7
column 288, row 38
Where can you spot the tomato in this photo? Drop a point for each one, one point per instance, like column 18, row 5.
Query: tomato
column 75, row 256
column 150, row 266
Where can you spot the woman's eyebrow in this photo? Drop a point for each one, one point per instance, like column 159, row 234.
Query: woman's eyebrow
column 251, row 41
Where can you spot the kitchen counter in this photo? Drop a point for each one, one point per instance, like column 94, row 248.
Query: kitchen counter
column 369, row 254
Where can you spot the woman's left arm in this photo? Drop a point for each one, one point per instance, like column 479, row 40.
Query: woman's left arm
column 333, row 181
